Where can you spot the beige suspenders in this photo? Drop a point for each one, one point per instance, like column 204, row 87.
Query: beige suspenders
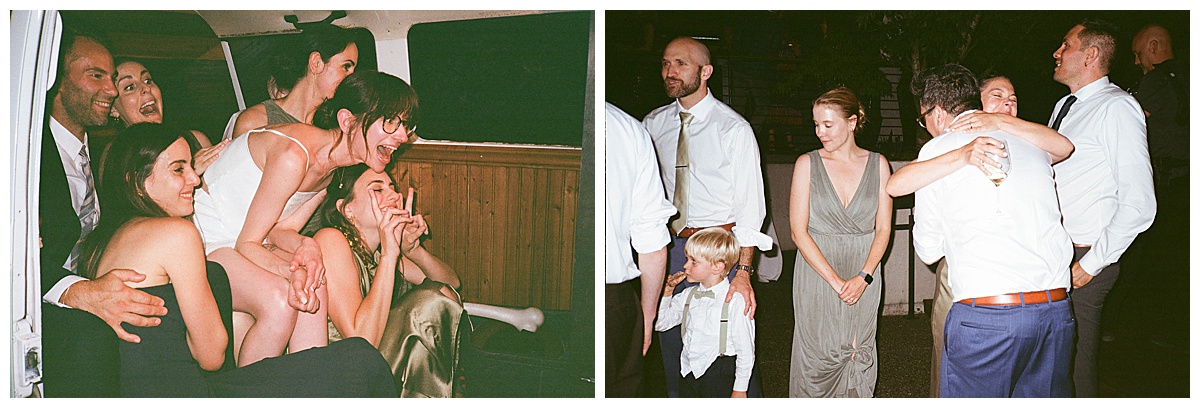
column 724, row 320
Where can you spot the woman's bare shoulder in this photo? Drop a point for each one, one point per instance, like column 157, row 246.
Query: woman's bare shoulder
column 253, row 117
column 331, row 236
column 166, row 231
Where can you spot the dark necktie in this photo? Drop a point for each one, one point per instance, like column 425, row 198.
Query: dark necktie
column 89, row 214
column 1063, row 112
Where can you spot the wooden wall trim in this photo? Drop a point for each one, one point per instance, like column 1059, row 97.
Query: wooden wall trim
column 503, row 217
column 559, row 158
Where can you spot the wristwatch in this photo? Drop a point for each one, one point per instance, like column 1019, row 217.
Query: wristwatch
column 866, row 277
column 747, row 268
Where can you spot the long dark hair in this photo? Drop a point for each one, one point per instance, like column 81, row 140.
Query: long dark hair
column 290, row 63
column 329, row 215
column 122, row 187
column 370, row 96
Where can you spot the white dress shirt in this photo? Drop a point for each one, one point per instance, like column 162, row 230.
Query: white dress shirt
column 68, row 150
column 996, row 240
column 1105, row 187
column 701, row 342
column 636, row 210
column 726, row 178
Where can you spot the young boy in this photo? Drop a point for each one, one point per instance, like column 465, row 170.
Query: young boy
column 708, row 367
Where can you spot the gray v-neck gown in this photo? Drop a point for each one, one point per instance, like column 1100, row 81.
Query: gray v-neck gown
column 833, row 345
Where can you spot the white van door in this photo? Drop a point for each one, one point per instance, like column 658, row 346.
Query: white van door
column 33, row 55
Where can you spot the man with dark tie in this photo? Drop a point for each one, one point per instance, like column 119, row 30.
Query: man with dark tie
column 709, row 161
column 1105, row 189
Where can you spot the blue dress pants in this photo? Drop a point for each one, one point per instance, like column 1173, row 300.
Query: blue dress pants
column 1008, row 351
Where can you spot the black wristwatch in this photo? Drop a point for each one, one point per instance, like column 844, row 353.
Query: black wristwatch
column 747, row 268
column 866, row 277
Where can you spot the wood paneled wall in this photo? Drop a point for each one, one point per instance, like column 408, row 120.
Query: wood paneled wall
column 502, row 216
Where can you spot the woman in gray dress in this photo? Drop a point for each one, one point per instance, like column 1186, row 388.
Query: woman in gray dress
column 841, row 222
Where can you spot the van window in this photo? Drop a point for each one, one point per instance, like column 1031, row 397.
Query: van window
column 182, row 53
column 508, row 79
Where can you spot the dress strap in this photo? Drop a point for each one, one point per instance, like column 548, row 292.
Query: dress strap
column 307, row 156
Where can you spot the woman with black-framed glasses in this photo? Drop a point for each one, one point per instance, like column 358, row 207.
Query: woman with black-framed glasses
column 265, row 186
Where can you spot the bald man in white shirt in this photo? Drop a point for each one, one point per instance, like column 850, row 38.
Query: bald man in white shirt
column 721, row 177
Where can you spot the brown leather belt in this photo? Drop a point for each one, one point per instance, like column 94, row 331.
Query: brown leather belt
column 1081, row 246
column 687, row 232
column 1014, row 299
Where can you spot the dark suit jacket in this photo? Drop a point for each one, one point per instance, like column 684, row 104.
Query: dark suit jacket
column 81, row 357
column 59, row 224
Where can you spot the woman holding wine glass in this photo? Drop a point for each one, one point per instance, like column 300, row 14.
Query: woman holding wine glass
column 999, row 100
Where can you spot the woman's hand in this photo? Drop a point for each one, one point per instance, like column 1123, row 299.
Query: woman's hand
column 836, row 283
column 414, row 229
column 976, row 153
column 977, row 122
column 307, row 268
column 391, row 226
column 852, row 290
column 298, row 298
column 207, row 156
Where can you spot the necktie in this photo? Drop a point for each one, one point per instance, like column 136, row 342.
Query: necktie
column 682, row 180
column 89, row 214
column 1063, row 112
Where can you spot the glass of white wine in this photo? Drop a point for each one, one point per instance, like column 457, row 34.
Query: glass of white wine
column 999, row 174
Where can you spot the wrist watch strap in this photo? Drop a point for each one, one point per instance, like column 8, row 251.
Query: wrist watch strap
column 866, row 277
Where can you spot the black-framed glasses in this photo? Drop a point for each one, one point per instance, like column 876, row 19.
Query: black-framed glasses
column 390, row 126
column 921, row 119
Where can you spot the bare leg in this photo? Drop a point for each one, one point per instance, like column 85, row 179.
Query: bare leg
column 241, row 324
column 263, row 295
column 312, row 329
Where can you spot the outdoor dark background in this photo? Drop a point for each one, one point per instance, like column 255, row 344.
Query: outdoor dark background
column 772, row 64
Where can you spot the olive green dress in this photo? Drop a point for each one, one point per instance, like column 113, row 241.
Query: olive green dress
column 420, row 340
column 833, row 345
column 276, row 114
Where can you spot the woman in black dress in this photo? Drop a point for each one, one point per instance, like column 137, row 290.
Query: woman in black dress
column 148, row 192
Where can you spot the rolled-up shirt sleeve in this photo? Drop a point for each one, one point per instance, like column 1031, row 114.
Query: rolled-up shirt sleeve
column 749, row 201
column 649, row 208
column 1125, row 145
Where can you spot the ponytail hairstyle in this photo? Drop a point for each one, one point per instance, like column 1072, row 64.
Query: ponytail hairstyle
column 291, row 62
column 845, row 101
